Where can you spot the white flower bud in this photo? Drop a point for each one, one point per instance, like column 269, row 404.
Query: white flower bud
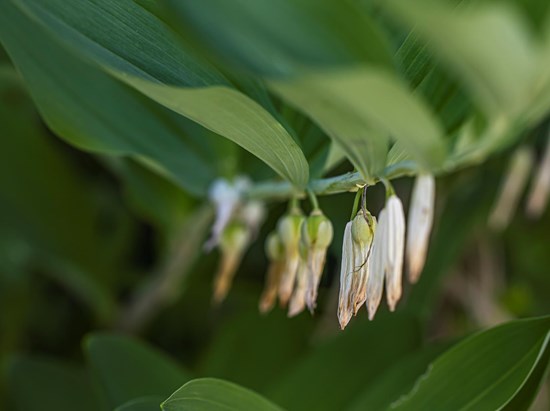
column 395, row 250
column 275, row 253
column 345, row 308
column 362, row 231
column 513, row 186
column 377, row 265
column 317, row 235
column 540, row 191
column 289, row 230
column 233, row 244
column 297, row 302
column 226, row 198
column 421, row 213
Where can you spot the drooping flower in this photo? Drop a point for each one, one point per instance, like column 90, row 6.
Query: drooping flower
column 377, row 265
column 421, row 213
column 512, row 187
column 226, row 197
column 297, row 302
column 540, row 191
column 362, row 232
column 345, row 307
column 316, row 237
column 356, row 253
column 386, row 263
column 233, row 244
column 275, row 253
column 289, row 229
column 395, row 250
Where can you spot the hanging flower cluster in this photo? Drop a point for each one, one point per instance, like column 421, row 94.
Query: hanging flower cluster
column 373, row 249
column 297, row 252
column 235, row 227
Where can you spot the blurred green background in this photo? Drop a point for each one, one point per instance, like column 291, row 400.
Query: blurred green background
column 88, row 227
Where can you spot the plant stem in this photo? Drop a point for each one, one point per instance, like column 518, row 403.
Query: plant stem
column 349, row 182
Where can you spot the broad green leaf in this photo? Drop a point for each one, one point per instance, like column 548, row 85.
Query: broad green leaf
column 127, row 369
column 526, row 395
column 95, row 112
column 439, row 89
column 38, row 384
column 359, row 107
column 142, row 404
column 396, row 381
column 489, row 367
column 209, row 394
column 488, row 46
column 283, row 37
column 346, row 364
column 136, row 47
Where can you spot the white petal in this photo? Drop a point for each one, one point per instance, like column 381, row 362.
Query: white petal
column 512, row 188
column 396, row 245
column 316, row 263
column 420, row 222
column 540, row 191
column 344, row 306
column 288, row 277
column 298, row 300
column 377, row 265
column 225, row 198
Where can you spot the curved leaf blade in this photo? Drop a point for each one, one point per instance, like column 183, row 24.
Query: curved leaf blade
column 139, row 49
column 489, row 367
column 210, row 394
column 375, row 99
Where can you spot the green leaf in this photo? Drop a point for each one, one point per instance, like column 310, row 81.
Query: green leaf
column 488, row 46
column 346, row 364
column 359, row 107
column 248, row 33
column 526, row 395
column 142, row 404
column 139, row 49
column 396, row 381
column 127, row 369
column 209, row 394
column 489, row 367
column 95, row 112
column 38, row 384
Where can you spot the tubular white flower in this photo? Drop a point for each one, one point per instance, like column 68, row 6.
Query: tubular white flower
column 297, row 302
column 233, row 244
column 362, row 234
column 275, row 253
column 289, row 230
column 395, row 250
column 345, row 308
column 420, row 222
column 512, row 187
column 226, row 198
column 540, row 191
column 253, row 213
column 317, row 235
column 377, row 265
